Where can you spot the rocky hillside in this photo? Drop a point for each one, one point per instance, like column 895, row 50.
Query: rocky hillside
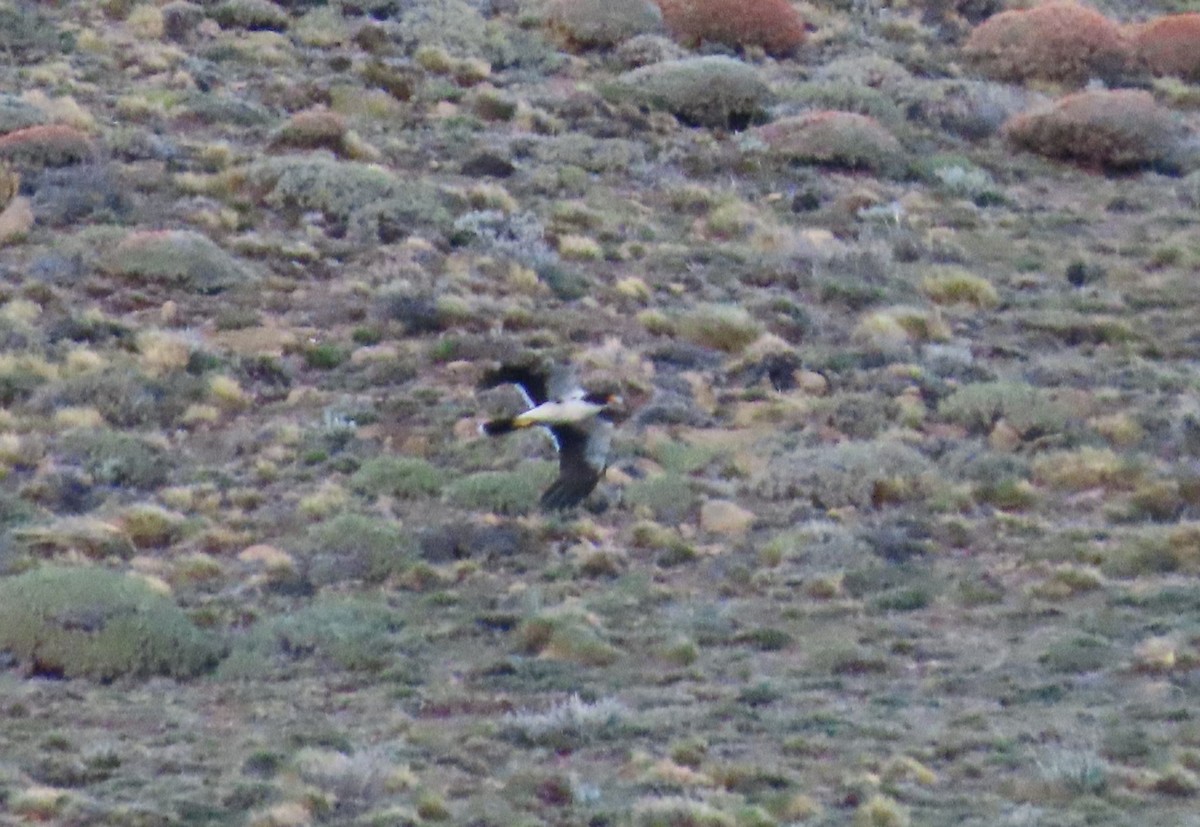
column 903, row 528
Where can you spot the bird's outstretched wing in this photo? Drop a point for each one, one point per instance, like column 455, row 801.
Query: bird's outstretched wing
column 538, row 382
column 582, row 458
column 530, row 378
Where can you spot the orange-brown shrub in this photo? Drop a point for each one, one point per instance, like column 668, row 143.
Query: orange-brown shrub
column 1116, row 130
column 49, row 145
column 772, row 24
column 1059, row 41
column 842, row 139
column 1170, row 45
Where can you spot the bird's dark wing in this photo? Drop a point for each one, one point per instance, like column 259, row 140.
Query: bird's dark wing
column 581, row 463
column 530, row 378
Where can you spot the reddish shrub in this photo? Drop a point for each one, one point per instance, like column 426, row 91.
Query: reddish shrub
column 49, row 145
column 1117, row 130
column 772, row 24
column 1170, row 45
column 1059, row 41
column 842, row 139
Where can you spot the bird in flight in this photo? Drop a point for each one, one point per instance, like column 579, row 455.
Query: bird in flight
column 580, row 422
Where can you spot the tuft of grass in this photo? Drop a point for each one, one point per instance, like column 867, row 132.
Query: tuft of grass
column 1076, row 771
column 566, row 636
column 954, row 285
column 1088, row 468
column 405, row 477
column 585, row 24
column 325, row 356
column 88, row 536
column 896, row 328
column 881, row 811
column 151, row 526
column 569, row 724
column 92, row 623
column 677, row 811
column 726, row 327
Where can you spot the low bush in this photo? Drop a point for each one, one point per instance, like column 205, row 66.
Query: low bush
column 502, row 492
column 865, row 475
column 832, row 138
column 1116, row 130
column 1170, row 45
column 92, row 623
column 775, row 25
column 1057, row 41
column 351, row 634
column 712, row 91
column 405, row 477
column 604, row 23
column 357, row 547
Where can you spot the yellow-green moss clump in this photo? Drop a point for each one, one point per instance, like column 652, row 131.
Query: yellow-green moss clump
column 92, row 623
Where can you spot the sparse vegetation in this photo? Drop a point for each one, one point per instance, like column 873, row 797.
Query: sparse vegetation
column 901, row 511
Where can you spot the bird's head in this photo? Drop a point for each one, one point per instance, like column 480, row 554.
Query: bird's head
column 610, row 400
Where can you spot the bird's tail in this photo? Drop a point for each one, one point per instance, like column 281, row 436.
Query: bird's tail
column 496, row 427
